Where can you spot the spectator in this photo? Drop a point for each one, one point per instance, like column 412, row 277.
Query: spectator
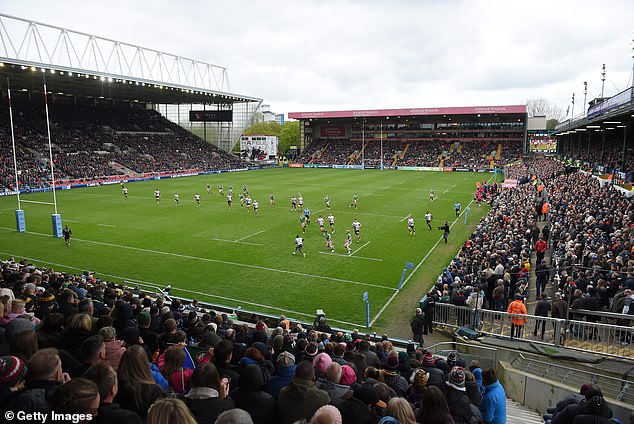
column 493, row 405
column 251, row 397
column 434, row 408
column 169, row 411
column 331, row 383
column 23, row 345
column 137, row 389
column 105, row 377
column 417, row 325
column 209, row 395
column 93, row 350
column 282, row 375
column 327, row 414
column 301, row 398
column 234, row 416
column 400, row 410
column 78, row 396
column 113, row 347
column 12, row 374
column 392, row 377
column 541, row 310
column 361, row 407
column 455, row 392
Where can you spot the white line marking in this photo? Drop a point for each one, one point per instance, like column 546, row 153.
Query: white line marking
column 106, row 225
column 251, row 235
column 151, row 284
column 404, row 218
column 218, row 261
column 445, row 191
column 69, row 220
column 360, row 248
column 454, row 185
column 239, row 242
column 349, row 256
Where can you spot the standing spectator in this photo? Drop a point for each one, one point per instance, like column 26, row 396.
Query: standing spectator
column 401, row 410
column 417, row 325
column 518, row 312
column 137, row 388
column 12, row 374
column 169, row 411
column 332, row 384
column 457, row 399
column 361, row 407
column 542, row 309
column 493, row 405
column 429, row 311
column 301, row 398
column 114, row 347
column 542, row 272
column 250, row 396
column 172, row 369
column 433, row 408
column 540, row 249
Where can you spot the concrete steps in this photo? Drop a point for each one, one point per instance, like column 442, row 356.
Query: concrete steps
column 518, row 414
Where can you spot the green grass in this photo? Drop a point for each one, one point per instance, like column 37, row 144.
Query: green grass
column 233, row 258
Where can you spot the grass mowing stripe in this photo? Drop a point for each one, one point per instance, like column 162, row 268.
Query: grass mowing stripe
column 178, row 255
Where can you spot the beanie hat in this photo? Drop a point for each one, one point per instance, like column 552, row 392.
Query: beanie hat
column 12, row 371
column 321, row 363
column 311, row 349
column 278, row 342
column 392, row 362
column 348, row 376
column 285, row 359
column 403, row 357
column 428, row 359
column 144, row 318
column 347, row 337
column 419, row 380
column 154, row 310
column 456, row 379
column 17, row 326
column 452, row 357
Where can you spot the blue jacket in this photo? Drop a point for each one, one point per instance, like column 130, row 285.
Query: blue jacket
column 493, row 405
column 281, row 378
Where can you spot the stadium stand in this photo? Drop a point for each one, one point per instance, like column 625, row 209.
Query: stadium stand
column 92, row 142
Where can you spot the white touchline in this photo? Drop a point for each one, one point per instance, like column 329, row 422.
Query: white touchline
column 413, row 271
column 178, row 255
column 132, row 280
column 106, row 225
column 250, row 235
column 350, row 256
column 239, row 242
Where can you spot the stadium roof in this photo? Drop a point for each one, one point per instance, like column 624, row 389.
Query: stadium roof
column 518, row 111
column 82, row 65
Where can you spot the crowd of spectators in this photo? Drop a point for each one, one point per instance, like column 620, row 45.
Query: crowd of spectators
column 605, row 157
column 419, row 153
column 74, row 344
column 88, row 140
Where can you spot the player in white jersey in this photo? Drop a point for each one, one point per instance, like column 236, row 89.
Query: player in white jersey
column 157, row 196
column 356, row 227
column 299, row 244
column 176, row 199
column 348, row 241
column 331, row 221
column 300, row 201
column 321, row 221
column 327, row 202
column 229, row 199
column 271, row 200
column 294, row 203
column 432, row 195
column 197, row 199
column 428, row 219
column 247, row 202
column 125, row 192
column 410, row 225
column 256, row 205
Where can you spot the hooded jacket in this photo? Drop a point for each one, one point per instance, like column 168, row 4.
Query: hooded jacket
column 493, row 404
column 300, row 400
column 250, row 396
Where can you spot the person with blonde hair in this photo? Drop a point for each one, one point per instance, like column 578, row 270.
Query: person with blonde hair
column 78, row 396
column 170, row 411
column 137, row 388
column 400, row 409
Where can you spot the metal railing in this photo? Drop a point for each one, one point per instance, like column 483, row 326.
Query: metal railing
column 599, row 338
column 615, row 388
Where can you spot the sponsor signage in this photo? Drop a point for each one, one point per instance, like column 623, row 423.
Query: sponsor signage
column 211, row 115
column 332, row 131
column 470, row 110
column 611, row 103
column 295, row 165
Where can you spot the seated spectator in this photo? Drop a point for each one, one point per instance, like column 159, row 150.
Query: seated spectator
column 49, row 334
column 493, row 405
column 330, row 383
column 171, row 367
column 114, row 348
column 570, row 412
column 594, row 411
column 23, row 345
column 43, row 377
column 570, row 399
column 234, row 416
column 79, row 328
column 282, row 375
column 223, row 353
column 12, row 375
column 433, row 408
column 361, row 407
column 78, row 396
column 169, row 411
column 327, row 414
column 250, row 396
column 401, row 412
column 301, row 398
column 105, row 377
column 148, row 335
column 93, row 350
column 137, row 388
column 457, row 399
column 391, row 376
column 209, row 395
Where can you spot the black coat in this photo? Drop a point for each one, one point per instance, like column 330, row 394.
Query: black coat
column 113, row 413
column 207, row 410
column 149, row 394
column 250, row 396
column 459, row 405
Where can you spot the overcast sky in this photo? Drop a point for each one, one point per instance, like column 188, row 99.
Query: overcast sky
column 336, row 55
